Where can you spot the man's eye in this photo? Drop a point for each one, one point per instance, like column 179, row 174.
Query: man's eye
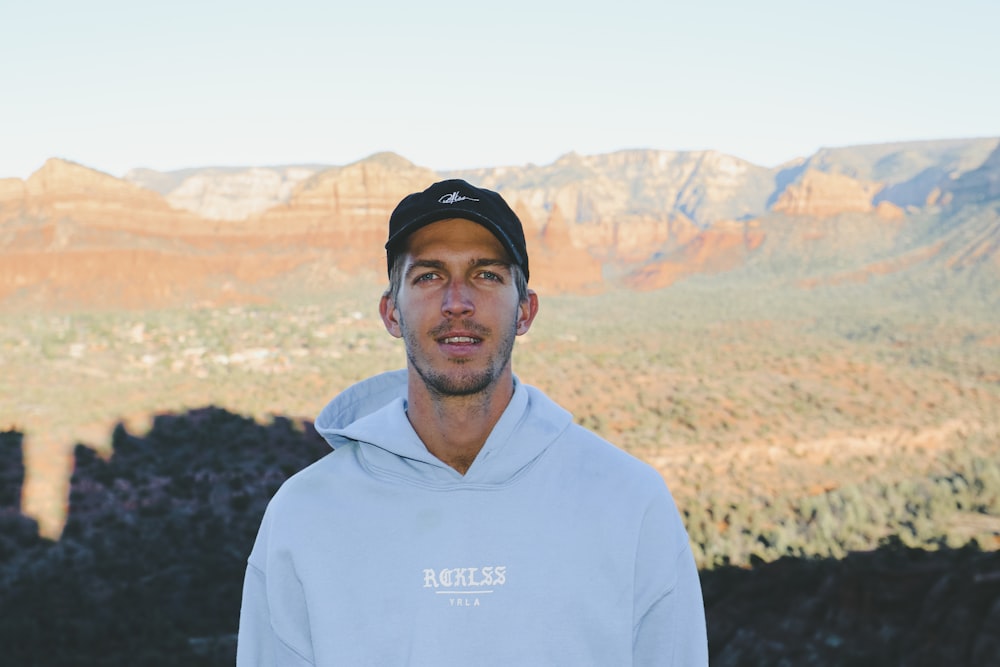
column 490, row 275
column 425, row 277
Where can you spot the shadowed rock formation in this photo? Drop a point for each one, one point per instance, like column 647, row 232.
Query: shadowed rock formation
column 893, row 606
column 18, row 533
column 150, row 567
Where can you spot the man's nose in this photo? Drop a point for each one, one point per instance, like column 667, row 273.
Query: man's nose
column 457, row 299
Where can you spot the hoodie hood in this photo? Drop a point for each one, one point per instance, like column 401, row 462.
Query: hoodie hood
column 371, row 416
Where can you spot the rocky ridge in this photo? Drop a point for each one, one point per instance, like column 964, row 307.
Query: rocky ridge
column 638, row 218
column 225, row 194
column 978, row 185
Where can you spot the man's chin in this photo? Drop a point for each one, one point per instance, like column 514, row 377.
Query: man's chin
column 457, row 383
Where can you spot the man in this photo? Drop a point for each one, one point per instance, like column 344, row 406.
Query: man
column 463, row 518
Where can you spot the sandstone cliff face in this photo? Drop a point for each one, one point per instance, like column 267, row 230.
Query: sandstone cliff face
column 556, row 264
column 655, row 216
column 633, row 185
column 238, row 196
column 913, row 174
column 888, row 211
column 221, row 193
column 346, row 209
column 363, row 193
column 11, row 198
column 978, row 186
column 723, row 247
column 65, row 190
column 823, row 195
column 902, row 162
column 74, row 236
column 620, row 203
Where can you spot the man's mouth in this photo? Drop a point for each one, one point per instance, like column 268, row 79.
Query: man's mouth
column 460, row 334
column 459, row 340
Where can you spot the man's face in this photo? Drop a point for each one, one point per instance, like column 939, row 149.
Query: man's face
column 457, row 308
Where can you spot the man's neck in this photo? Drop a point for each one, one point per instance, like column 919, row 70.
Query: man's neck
column 455, row 428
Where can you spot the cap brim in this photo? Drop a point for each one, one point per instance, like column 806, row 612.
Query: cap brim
column 447, row 214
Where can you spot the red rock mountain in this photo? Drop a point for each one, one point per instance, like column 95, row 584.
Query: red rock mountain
column 74, row 236
column 822, row 195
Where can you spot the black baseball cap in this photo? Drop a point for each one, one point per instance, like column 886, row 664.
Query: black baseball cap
column 456, row 198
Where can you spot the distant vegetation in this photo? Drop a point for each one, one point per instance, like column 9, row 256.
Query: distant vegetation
column 149, row 569
column 751, row 402
column 956, row 508
column 791, row 425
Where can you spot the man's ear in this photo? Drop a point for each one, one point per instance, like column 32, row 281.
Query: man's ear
column 390, row 316
column 526, row 311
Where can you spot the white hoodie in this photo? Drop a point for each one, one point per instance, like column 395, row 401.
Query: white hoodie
column 555, row 548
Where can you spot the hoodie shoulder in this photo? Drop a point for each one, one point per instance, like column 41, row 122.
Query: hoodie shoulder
column 360, row 400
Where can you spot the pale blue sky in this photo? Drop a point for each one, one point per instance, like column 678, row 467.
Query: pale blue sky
column 115, row 84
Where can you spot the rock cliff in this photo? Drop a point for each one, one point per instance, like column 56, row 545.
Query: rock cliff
column 11, row 198
column 648, row 217
column 822, row 195
column 237, row 196
column 345, row 210
column 618, row 204
column 73, row 236
column 66, row 190
column 721, row 248
column 978, row 186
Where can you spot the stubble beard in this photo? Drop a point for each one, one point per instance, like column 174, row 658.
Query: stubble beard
column 459, row 382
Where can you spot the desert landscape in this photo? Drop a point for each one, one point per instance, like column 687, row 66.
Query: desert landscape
column 809, row 355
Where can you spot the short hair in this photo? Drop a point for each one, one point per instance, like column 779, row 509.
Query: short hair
column 396, row 279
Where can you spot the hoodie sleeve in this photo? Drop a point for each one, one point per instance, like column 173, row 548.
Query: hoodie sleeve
column 271, row 601
column 255, row 643
column 669, row 616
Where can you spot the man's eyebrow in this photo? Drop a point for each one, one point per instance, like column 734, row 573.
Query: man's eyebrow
column 437, row 264
column 491, row 261
column 424, row 264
